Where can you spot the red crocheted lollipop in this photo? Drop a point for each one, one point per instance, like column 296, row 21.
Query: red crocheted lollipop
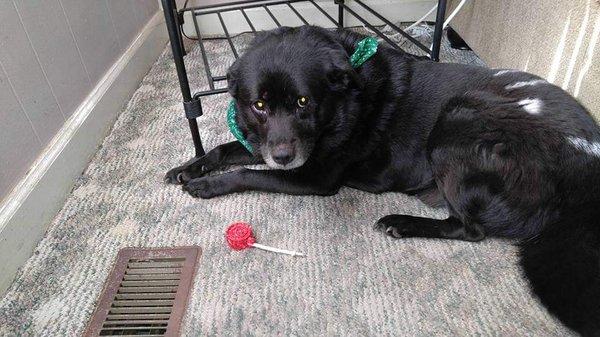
column 239, row 236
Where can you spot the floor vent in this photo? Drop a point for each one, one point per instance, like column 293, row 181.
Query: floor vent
column 146, row 293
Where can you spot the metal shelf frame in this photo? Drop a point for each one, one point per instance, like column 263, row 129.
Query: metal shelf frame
column 174, row 17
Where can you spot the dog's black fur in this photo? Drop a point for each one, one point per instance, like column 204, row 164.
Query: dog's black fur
column 507, row 156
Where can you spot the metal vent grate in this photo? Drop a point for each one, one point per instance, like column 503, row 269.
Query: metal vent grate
column 146, row 293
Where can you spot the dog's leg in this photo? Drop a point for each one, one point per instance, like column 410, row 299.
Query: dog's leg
column 406, row 226
column 280, row 181
column 474, row 191
column 227, row 154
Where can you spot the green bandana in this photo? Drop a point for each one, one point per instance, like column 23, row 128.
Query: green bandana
column 365, row 48
column 234, row 128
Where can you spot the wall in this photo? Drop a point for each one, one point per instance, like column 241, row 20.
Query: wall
column 558, row 40
column 52, row 54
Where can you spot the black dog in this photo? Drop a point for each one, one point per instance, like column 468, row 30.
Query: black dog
column 509, row 154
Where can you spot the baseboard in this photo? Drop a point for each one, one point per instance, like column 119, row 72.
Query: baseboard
column 28, row 210
column 393, row 10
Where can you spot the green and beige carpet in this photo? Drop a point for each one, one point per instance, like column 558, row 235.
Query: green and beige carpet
column 354, row 281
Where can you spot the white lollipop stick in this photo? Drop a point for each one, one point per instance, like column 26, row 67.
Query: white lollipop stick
column 277, row 250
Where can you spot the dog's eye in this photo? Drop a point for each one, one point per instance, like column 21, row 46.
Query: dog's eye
column 302, row 101
column 259, row 105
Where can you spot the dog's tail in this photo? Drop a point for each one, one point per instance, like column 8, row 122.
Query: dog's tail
column 563, row 265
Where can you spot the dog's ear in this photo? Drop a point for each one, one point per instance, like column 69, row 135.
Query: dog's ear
column 340, row 74
column 233, row 75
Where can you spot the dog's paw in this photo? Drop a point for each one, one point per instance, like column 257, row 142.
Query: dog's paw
column 174, row 176
column 396, row 226
column 181, row 175
column 205, row 187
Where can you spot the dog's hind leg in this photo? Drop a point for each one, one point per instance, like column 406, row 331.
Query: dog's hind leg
column 224, row 155
column 470, row 182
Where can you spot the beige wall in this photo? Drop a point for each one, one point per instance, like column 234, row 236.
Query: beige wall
column 52, row 53
column 558, row 40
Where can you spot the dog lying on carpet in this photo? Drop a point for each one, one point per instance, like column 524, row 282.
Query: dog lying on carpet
column 509, row 154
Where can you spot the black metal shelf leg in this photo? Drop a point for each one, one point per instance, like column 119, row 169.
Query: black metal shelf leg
column 438, row 30
column 340, row 4
column 170, row 10
column 179, row 23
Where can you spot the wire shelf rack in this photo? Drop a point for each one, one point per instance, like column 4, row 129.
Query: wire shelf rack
column 174, row 20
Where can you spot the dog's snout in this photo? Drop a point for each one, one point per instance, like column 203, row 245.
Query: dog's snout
column 283, row 154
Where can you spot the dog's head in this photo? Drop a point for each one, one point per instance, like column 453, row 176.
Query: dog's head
column 284, row 87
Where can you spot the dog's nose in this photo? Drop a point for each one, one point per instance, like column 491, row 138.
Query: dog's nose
column 283, row 154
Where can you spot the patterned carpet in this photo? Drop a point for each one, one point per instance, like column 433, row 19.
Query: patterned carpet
column 354, row 281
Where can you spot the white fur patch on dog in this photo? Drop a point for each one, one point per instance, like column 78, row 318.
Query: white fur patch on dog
column 506, row 71
column 591, row 148
column 531, row 105
column 524, row 84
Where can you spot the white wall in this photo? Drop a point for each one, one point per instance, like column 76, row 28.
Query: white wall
column 52, row 54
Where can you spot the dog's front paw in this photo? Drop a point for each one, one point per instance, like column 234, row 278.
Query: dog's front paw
column 206, row 187
column 182, row 174
column 174, row 176
column 397, row 226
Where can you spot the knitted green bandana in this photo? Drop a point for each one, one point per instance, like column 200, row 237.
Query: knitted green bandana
column 234, row 128
column 365, row 48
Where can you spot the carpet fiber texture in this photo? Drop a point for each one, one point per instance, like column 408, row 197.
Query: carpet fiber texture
column 353, row 282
